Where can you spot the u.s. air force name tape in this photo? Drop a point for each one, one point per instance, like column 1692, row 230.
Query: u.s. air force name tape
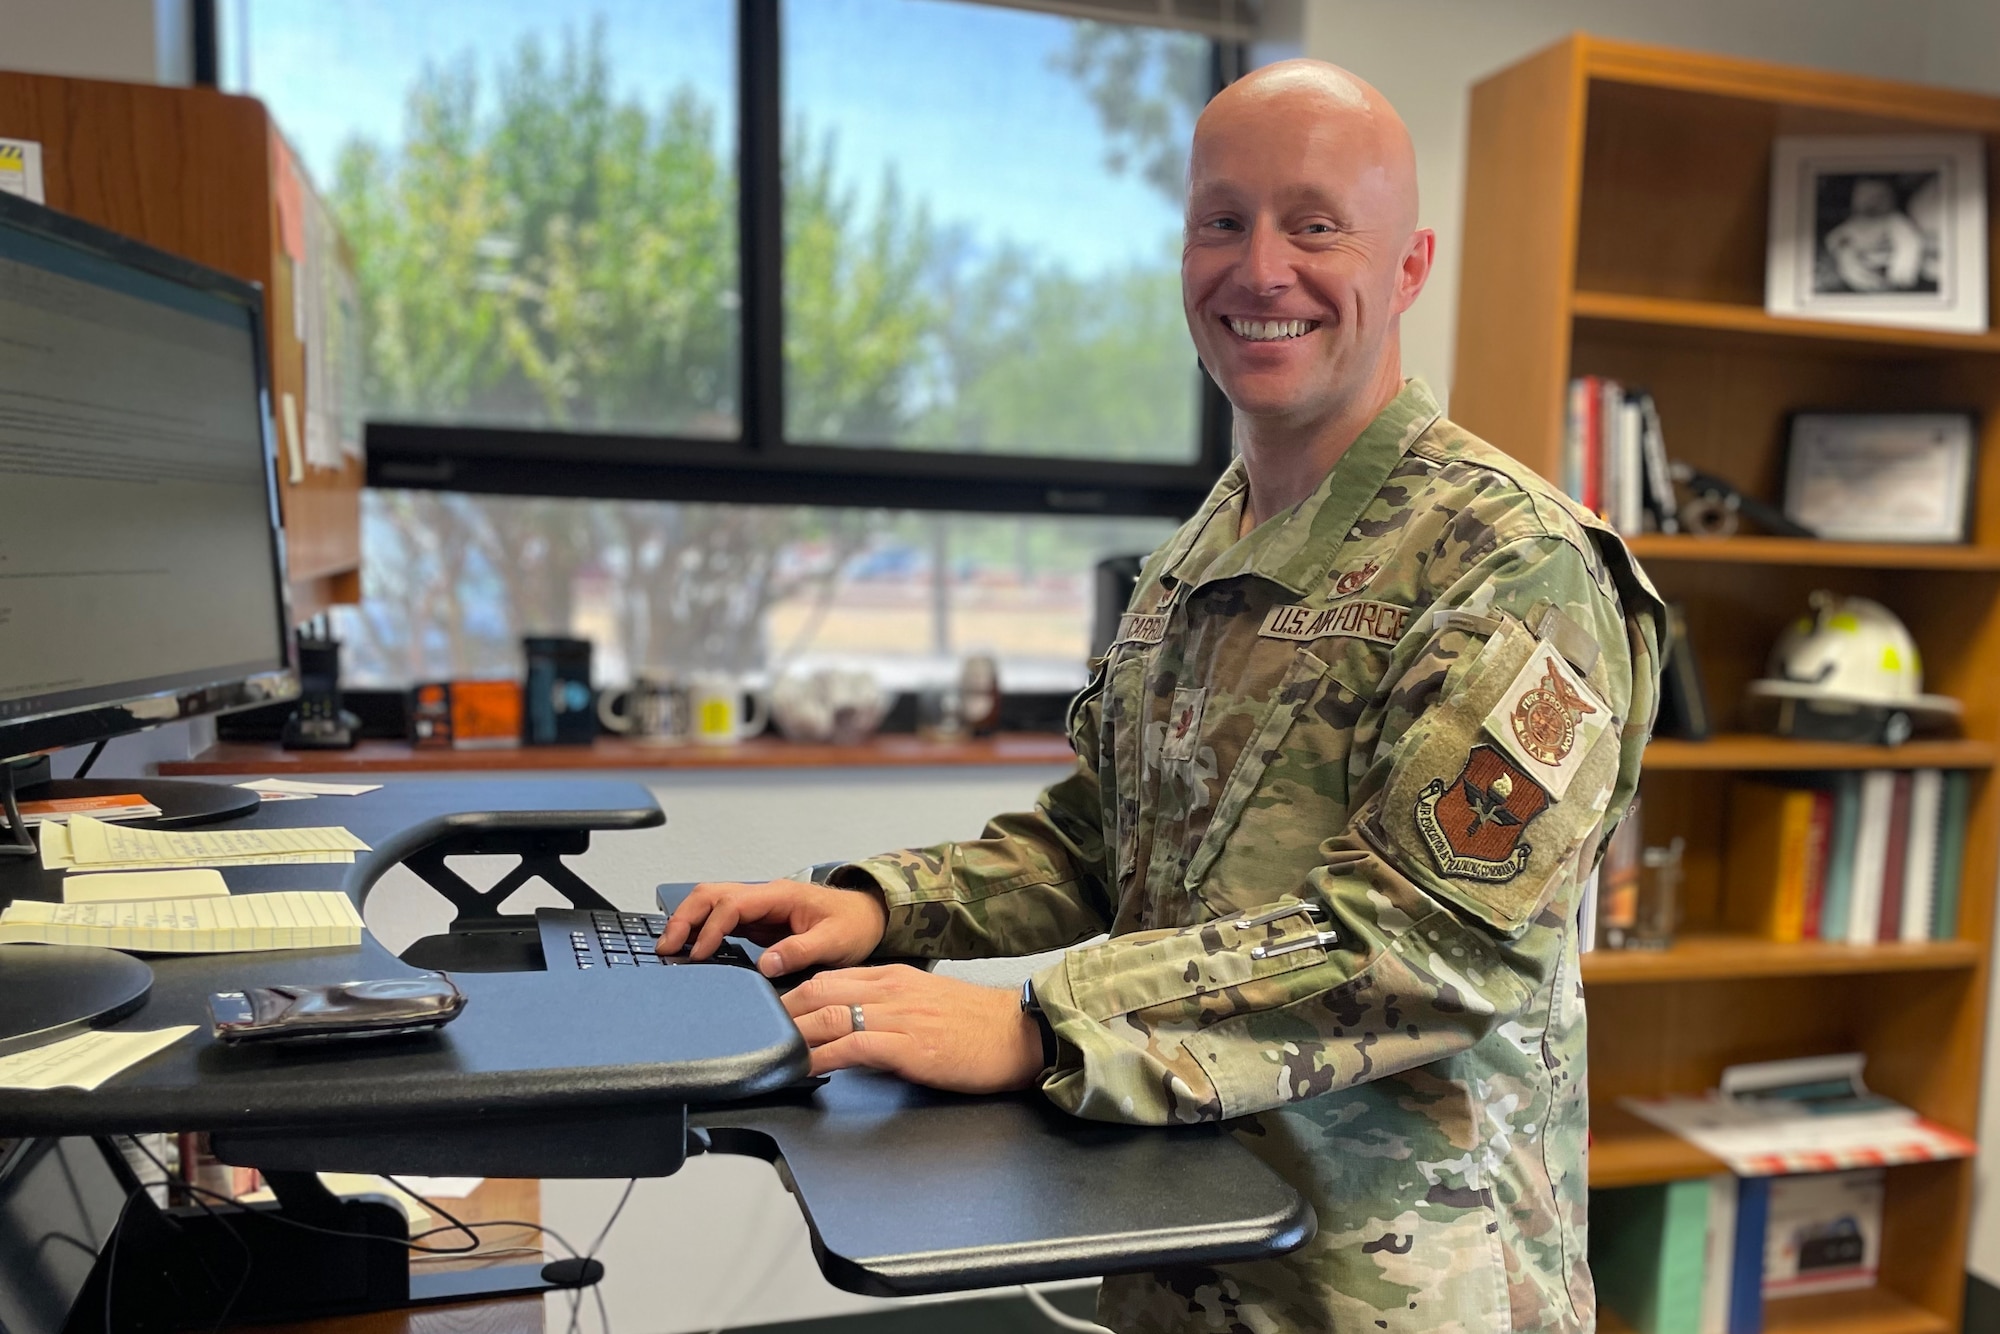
column 1379, row 622
column 1138, row 627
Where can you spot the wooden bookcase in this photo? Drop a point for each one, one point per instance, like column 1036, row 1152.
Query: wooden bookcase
column 1615, row 220
column 196, row 172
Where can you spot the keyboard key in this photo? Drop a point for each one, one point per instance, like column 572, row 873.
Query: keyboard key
column 625, row 959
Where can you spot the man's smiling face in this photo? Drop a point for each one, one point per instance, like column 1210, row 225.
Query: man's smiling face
column 1296, row 257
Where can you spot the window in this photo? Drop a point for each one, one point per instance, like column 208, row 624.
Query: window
column 877, row 265
column 542, row 208
column 982, row 230
column 455, row 581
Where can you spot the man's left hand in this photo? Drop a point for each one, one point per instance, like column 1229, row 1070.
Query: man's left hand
column 936, row 1031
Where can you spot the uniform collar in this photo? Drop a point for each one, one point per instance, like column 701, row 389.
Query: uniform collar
column 1298, row 549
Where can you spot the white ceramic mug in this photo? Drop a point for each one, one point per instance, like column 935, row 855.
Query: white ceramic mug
column 718, row 711
column 653, row 712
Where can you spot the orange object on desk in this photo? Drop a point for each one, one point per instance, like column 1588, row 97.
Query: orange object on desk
column 485, row 713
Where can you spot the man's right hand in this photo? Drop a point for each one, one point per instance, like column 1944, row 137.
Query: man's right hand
column 801, row 924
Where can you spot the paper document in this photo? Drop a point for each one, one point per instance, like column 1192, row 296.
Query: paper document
column 95, row 841
column 84, row 1061
column 132, row 886
column 56, row 857
column 56, row 810
column 305, row 789
column 292, row 920
column 91, row 845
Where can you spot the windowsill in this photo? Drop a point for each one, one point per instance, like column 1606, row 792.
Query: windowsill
column 259, row 760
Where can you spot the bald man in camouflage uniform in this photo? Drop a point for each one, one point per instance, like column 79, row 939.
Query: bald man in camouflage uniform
column 1364, row 729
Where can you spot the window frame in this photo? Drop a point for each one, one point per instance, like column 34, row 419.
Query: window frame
column 760, row 465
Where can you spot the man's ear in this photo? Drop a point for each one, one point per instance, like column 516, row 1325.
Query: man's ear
column 1415, row 269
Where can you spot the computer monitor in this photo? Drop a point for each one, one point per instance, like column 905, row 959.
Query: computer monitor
column 141, row 552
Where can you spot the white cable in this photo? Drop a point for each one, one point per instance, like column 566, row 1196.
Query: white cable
column 1061, row 1318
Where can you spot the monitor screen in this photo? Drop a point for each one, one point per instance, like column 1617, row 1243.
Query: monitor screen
column 139, row 545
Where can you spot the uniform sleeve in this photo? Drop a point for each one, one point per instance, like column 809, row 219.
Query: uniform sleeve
column 1033, row 881
column 1432, row 919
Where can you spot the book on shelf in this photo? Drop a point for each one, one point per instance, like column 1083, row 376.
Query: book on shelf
column 1683, row 700
column 1768, row 860
column 1954, row 808
column 1615, row 456
column 1920, row 857
column 1648, row 1253
column 1824, row 1233
column 1838, row 886
column 1861, row 858
column 1685, row 1255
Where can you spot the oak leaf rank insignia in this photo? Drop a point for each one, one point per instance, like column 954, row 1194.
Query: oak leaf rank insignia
column 1472, row 827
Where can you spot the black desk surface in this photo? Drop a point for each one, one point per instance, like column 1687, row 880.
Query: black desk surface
column 905, row 1190
column 528, row 1044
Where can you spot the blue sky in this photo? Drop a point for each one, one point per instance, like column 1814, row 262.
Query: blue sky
column 962, row 100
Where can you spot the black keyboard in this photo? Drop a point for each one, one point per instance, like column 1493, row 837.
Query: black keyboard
column 592, row 940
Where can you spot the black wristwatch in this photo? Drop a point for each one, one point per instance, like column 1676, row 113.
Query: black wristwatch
column 1032, row 1007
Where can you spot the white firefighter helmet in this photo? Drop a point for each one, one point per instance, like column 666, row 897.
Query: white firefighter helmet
column 1852, row 651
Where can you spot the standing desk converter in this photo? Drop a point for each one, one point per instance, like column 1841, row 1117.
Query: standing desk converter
column 626, row 1073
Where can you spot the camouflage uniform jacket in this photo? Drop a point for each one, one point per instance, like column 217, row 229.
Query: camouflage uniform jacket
column 1339, row 784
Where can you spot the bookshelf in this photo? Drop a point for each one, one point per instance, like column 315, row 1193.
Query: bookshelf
column 1616, row 198
column 191, row 170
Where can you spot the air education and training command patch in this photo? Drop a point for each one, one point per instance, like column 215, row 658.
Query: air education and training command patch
column 1473, row 827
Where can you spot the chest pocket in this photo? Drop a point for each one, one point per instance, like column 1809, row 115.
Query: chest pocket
column 1287, row 791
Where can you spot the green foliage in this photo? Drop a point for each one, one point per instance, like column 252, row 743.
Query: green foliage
column 1147, row 86
column 539, row 251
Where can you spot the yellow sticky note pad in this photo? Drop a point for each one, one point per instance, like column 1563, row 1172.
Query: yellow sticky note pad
column 131, row 886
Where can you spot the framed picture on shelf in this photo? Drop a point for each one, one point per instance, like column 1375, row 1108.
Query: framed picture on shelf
column 1882, row 476
column 1879, row 229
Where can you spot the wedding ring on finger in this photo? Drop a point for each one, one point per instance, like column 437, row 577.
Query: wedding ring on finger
column 854, row 1013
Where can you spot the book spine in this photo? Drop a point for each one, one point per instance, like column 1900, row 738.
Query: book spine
column 1819, row 844
column 1920, row 861
column 1716, row 1286
column 1951, row 854
column 1609, row 398
column 1682, row 1251
column 1788, row 905
column 1576, row 424
column 1840, row 857
column 1889, row 922
column 1746, row 1278
column 1632, row 468
column 1871, row 845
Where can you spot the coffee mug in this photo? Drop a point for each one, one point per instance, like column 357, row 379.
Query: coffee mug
column 717, row 703
column 655, row 712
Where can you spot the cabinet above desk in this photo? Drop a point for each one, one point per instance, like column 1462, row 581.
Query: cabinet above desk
column 258, row 760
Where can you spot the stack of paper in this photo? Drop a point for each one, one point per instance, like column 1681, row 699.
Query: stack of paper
column 129, row 886
column 92, row 845
column 293, row 920
column 293, row 787
column 84, row 1061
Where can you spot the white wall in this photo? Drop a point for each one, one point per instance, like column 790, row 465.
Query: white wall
column 1425, row 55
column 137, row 41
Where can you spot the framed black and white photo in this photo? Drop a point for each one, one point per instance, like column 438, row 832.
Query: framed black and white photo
column 1882, row 476
column 1879, row 229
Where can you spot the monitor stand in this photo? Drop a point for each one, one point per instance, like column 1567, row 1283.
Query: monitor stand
column 182, row 801
column 49, row 992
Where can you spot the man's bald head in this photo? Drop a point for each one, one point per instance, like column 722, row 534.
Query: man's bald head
column 1336, row 102
column 1302, row 248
